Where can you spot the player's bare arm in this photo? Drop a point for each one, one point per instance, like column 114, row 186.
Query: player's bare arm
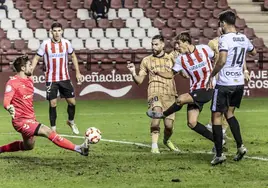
column 246, row 72
column 76, row 66
column 220, row 63
column 35, row 61
column 137, row 78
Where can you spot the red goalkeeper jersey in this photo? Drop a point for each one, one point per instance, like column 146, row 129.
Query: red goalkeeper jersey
column 19, row 92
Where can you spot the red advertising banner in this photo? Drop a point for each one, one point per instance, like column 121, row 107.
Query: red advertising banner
column 111, row 84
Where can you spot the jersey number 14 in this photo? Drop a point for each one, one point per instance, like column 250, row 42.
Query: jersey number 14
column 239, row 54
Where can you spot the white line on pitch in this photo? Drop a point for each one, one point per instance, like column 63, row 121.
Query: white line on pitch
column 148, row 146
column 131, row 113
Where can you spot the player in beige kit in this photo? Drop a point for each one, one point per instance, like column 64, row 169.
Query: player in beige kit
column 161, row 91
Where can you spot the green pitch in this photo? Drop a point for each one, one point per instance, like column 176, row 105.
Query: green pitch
column 121, row 165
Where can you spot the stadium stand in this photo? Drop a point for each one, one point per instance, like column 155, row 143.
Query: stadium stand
column 127, row 30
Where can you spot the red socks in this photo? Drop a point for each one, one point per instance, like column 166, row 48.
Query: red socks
column 61, row 142
column 54, row 137
column 14, row 146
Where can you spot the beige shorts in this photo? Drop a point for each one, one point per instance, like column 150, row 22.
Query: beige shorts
column 162, row 101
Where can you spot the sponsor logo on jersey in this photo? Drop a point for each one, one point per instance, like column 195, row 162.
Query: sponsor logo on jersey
column 233, row 74
column 8, row 88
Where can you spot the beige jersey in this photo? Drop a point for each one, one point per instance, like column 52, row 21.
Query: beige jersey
column 214, row 45
column 174, row 54
column 157, row 84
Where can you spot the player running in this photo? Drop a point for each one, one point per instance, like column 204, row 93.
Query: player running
column 18, row 101
column 55, row 52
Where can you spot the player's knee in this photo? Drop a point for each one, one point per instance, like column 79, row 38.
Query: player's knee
column 192, row 123
column 53, row 103
column 155, row 128
column 169, row 128
column 71, row 104
column 228, row 114
column 179, row 101
column 44, row 131
column 29, row 147
column 169, row 125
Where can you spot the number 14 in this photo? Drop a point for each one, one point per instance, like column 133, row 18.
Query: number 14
column 238, row 59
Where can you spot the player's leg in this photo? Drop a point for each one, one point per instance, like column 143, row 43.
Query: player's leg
column 52, row 92
column 185, row 98
column 45, row 131
column 168, row 122
column 155, row 104
column 26, row 129
column 235, row 101
column 26, row 144
column 155, row 131
column 53, row 113
column 71, row 114
column 67, row 91
column 224, row 127
column 219, row 105
column 192, row 121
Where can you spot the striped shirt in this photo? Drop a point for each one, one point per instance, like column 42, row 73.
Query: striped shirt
column 197, row 65
column 157, row 84
column 56, row 59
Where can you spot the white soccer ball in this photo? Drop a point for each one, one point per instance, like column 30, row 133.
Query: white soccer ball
column 93, row 135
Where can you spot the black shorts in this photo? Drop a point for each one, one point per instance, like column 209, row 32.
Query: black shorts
column 225, row 96
column 200, row 97
column 65, row 88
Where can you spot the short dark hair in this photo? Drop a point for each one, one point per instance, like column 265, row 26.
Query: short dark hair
column 228, row 17
column 184, row 37
column 160, row 37
column 20, row 62
column 56, row 25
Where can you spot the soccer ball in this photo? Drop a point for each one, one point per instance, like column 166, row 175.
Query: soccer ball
column 93, row 135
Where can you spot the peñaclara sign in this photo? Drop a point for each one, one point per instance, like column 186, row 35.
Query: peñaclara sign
column 110, row 84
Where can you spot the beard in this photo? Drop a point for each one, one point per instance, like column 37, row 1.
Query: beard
column 222, row 30
column 28, row 73
column 156, row 52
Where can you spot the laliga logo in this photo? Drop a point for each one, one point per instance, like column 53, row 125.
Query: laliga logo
column 96, row 77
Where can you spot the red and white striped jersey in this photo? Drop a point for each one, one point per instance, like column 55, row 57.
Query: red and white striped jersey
column 56, row 59
column 197, row 65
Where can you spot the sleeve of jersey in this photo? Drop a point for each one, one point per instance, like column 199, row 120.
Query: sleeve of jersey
column 41, row 50
column 143, row 69
column 177, row 67
column 9, row 93
column 210, row 51
column 223, row 46
column 250, row 46
column 70, row 48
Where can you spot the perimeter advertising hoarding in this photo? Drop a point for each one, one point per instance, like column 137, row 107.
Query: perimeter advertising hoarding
column 116, row 84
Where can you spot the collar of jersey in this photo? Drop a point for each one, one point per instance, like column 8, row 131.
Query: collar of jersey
column 160, row 56
column 55, row 41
